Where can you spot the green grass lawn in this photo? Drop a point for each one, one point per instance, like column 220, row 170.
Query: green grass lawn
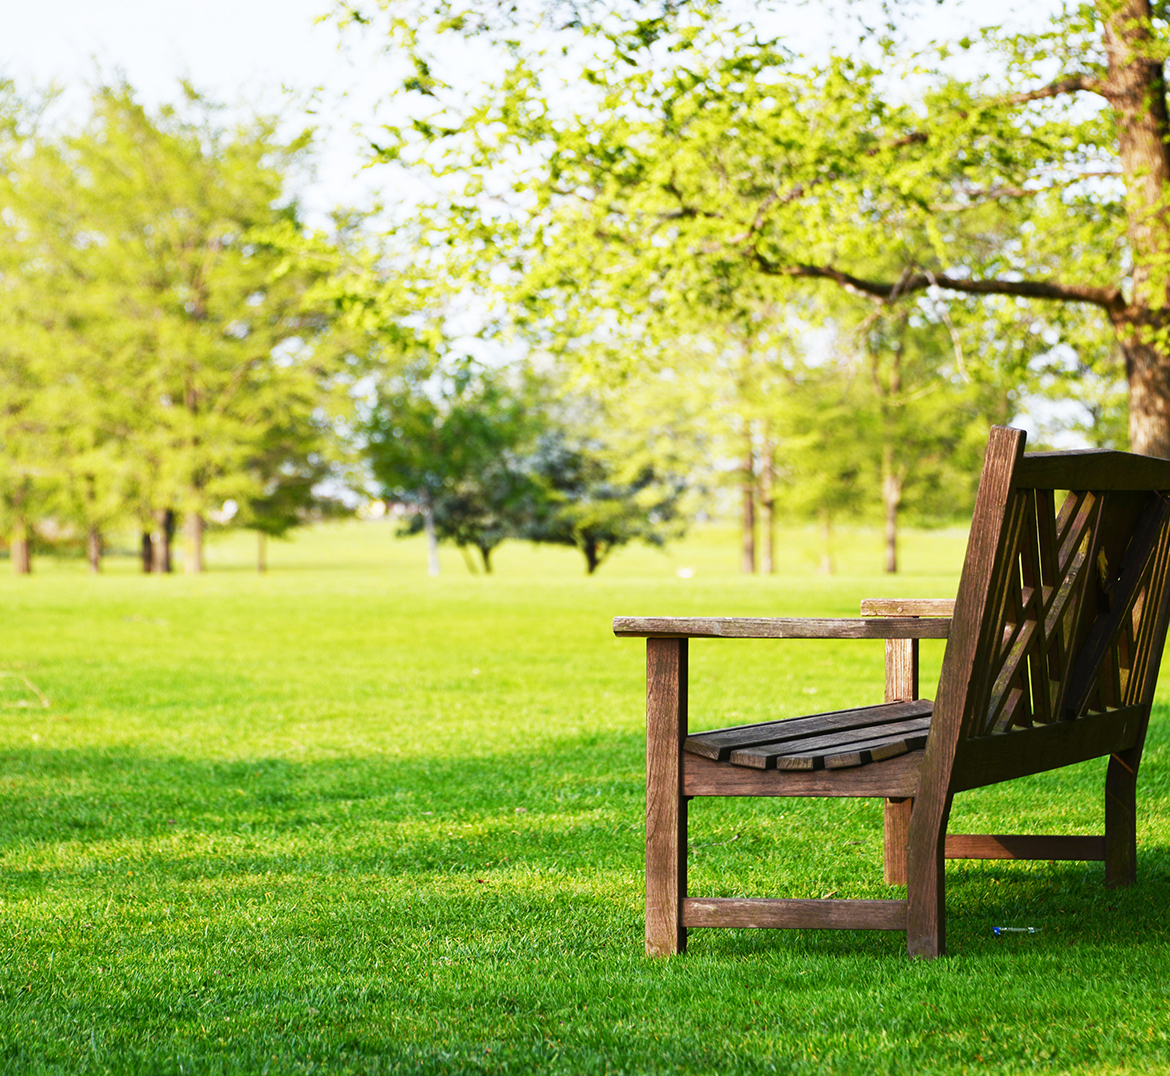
column 346, row 818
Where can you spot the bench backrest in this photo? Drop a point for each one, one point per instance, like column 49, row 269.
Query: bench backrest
column 1062, row 606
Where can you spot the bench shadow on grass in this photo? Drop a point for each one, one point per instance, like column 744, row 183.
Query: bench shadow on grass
column 573, row 806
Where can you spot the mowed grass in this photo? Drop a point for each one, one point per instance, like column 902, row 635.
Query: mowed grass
column 344, row 818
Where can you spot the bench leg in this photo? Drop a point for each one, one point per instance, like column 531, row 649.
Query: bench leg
column 926, row 933
column 897, row 836
column 666, row 807
column 1121, row 818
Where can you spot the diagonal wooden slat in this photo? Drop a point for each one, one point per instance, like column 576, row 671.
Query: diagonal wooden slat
column 1010, row 683
column 990, row 645
column 1048, row 547
column 1013, row 705
column 1146, row 659
column 1084, row 546
column 1133, row 635
column 1124, row 656
column 1135, row 572
column 1070, row 509
column 1033, row 575
column 1063, row 578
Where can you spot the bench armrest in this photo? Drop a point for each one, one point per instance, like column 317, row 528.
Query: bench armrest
column 908, row 607
column 735, row 627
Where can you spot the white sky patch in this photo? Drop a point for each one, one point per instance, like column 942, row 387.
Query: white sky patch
column 263, row 55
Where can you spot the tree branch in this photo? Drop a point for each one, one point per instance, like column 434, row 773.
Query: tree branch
column 1108, row 298
column 1072, row 84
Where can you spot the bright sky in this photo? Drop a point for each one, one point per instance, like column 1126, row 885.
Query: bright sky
column 248, row 51
column 238, row 51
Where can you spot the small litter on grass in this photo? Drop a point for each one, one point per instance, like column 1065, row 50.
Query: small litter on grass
column 1013, row 930
column 23, row 694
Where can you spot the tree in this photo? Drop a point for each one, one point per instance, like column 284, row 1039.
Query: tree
column 141, row 274
column 480, row 510
column 920, row 419
column 482, row 455
column 443, row 440
column 289, row 468
column 690, row 141
column 591, row 502
column 25, row 488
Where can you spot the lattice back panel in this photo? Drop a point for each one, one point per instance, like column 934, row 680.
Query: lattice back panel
column 1071, row 610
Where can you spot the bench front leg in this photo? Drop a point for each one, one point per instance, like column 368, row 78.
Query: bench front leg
column 666, row 806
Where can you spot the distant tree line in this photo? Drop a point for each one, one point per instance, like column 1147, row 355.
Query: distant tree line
column 179, row 349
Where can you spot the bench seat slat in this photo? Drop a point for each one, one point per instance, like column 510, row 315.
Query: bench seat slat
column 834, row 743
column 718, row 744
column 799, row 757
column 878, row 752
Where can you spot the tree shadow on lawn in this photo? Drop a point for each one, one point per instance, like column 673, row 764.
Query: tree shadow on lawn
column 484, row 914
column 569, row 812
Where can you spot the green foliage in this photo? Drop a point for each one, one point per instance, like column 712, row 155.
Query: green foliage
column 588, row 499
column 289, row 466
column 444, row 439
column 159, row 345
column 484, row 455
column 654, row 160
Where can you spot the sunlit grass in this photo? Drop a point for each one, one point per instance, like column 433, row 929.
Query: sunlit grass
column 346, row 818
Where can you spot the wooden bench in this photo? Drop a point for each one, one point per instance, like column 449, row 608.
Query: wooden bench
column 1053, row 646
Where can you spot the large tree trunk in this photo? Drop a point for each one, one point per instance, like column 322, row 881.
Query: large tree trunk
column 193, row 535
column 1147, row 371
column 1135, row 88
column 261, row 552
column 147, row 552
column 93, row 548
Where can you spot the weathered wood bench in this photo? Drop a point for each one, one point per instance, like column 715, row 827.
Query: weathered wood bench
column 1053, row 646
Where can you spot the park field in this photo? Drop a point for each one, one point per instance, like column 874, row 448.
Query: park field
column 346, row 818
